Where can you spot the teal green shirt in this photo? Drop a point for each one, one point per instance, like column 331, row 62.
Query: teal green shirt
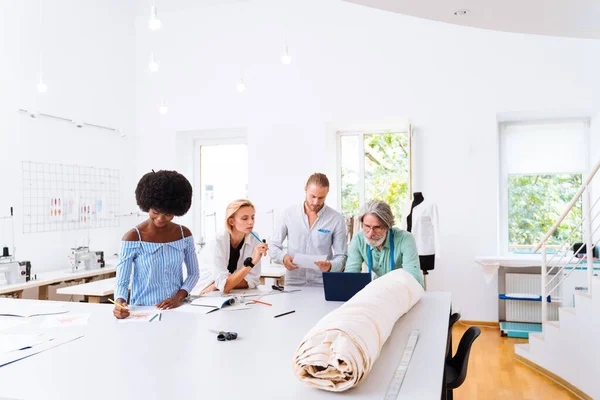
column 405, row 255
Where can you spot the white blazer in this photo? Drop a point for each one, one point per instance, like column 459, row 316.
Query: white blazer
column 214, row 259
column 425, row 227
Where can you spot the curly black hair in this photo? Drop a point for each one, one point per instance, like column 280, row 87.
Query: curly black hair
column 168, row 192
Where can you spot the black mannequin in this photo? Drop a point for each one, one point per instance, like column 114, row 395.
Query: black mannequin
column 417, row 199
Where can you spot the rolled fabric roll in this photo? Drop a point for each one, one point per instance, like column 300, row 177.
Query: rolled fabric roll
column 340, row 350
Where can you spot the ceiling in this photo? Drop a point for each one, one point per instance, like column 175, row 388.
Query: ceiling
column 567, row 18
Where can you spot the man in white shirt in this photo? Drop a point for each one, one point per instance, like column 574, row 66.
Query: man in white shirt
column 312, row 228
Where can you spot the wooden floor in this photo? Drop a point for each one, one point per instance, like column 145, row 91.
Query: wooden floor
column 495, row 374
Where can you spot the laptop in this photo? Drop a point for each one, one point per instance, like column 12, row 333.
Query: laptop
column 341, row 286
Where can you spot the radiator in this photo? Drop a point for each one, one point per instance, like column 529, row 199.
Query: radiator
column 528, row 311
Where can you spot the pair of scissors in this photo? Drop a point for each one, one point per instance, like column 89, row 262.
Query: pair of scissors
column 223, row 335
column 281, row 289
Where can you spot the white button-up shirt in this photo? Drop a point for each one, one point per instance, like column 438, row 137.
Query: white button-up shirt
column 327, row 232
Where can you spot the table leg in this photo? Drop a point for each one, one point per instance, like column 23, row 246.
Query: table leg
column 43, row 292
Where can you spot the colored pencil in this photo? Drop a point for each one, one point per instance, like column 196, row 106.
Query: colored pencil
column 285, row 313
column 119, row 305
column 262, row 302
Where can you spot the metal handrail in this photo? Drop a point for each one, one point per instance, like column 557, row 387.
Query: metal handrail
column 568, row 207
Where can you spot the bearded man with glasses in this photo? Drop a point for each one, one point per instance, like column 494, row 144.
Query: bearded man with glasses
column 382, row 246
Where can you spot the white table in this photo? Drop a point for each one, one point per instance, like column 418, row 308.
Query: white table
column 93, row 290
column 46, row 279
column 276, row 271
column 178, row 358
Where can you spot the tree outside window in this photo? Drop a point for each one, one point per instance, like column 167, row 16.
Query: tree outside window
column 535, row 203
column 375, row 166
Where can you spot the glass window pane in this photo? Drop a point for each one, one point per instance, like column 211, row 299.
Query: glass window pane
column 387, row 170
column 350, row 171
column 535, row 202
column 220, row 186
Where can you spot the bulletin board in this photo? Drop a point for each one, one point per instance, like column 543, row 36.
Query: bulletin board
column 60, row 197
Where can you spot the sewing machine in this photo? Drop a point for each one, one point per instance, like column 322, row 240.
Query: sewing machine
column 14, row 272
column 82, row 258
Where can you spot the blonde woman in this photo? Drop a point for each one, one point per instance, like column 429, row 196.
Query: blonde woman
column 235, row 255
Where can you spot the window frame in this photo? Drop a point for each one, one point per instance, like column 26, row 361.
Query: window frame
column 503, row 239
column 361, row 133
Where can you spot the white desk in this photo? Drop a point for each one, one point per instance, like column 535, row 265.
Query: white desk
column 46, row 279
column 93, row 290
column 178, row 358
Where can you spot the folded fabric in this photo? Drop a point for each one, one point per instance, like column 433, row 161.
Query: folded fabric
column 340, row 350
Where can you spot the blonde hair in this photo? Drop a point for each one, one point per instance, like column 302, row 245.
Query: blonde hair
column 232, row 208
column 318, row 179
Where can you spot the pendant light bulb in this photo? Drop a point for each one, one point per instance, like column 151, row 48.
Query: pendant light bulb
column 241, row 86
column 154, row 23
column 152, row 65
column 42, row 87
column 163, row 109
column 286, row 59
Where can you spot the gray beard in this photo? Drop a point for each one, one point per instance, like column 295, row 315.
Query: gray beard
column 375, row 243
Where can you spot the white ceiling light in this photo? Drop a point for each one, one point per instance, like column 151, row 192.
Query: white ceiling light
column 154, row 23
column 286, row 59
column 241, row 86
column 41, row 86
column 460, row 13
column 163, row 109
column 152, row 65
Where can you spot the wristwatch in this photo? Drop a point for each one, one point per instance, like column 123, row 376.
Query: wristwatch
column 248, row 262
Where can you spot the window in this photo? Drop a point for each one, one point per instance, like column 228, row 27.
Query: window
column 374, row 165
column 542, row 166
column 220, row 186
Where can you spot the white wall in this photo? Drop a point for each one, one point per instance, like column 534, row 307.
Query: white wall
column 351, row 63
column 89, row 69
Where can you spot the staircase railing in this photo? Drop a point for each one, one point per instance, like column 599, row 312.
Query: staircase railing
column 562, row 259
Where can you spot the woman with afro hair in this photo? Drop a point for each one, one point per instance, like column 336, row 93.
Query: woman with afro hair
column 156, row 249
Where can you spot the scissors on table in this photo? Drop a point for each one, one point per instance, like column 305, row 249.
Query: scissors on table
column 224, row 335
column 281, row 289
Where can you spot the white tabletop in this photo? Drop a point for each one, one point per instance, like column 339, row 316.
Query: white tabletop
column 52, row 277
column 178, row 358
column 104, row 287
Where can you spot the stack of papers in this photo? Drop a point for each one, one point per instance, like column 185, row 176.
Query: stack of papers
column 308, row 261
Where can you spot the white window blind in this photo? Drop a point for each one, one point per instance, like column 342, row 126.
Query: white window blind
column 545, row 148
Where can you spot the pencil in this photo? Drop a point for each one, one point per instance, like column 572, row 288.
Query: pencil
column 155, row 315
column 124, row 308
column 262, row 302
column 285, row 313
column 254, row 234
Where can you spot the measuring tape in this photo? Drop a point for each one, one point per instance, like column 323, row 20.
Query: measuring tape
column 396, row 383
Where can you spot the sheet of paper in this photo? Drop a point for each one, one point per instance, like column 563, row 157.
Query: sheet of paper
column 142, row 316
column 26, row 309
column 308, row 261
column 9, row 343
column 62, row 320
column 7, row 323
column 45, row 344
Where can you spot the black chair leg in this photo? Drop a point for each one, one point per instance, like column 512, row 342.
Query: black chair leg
column 449, row 394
